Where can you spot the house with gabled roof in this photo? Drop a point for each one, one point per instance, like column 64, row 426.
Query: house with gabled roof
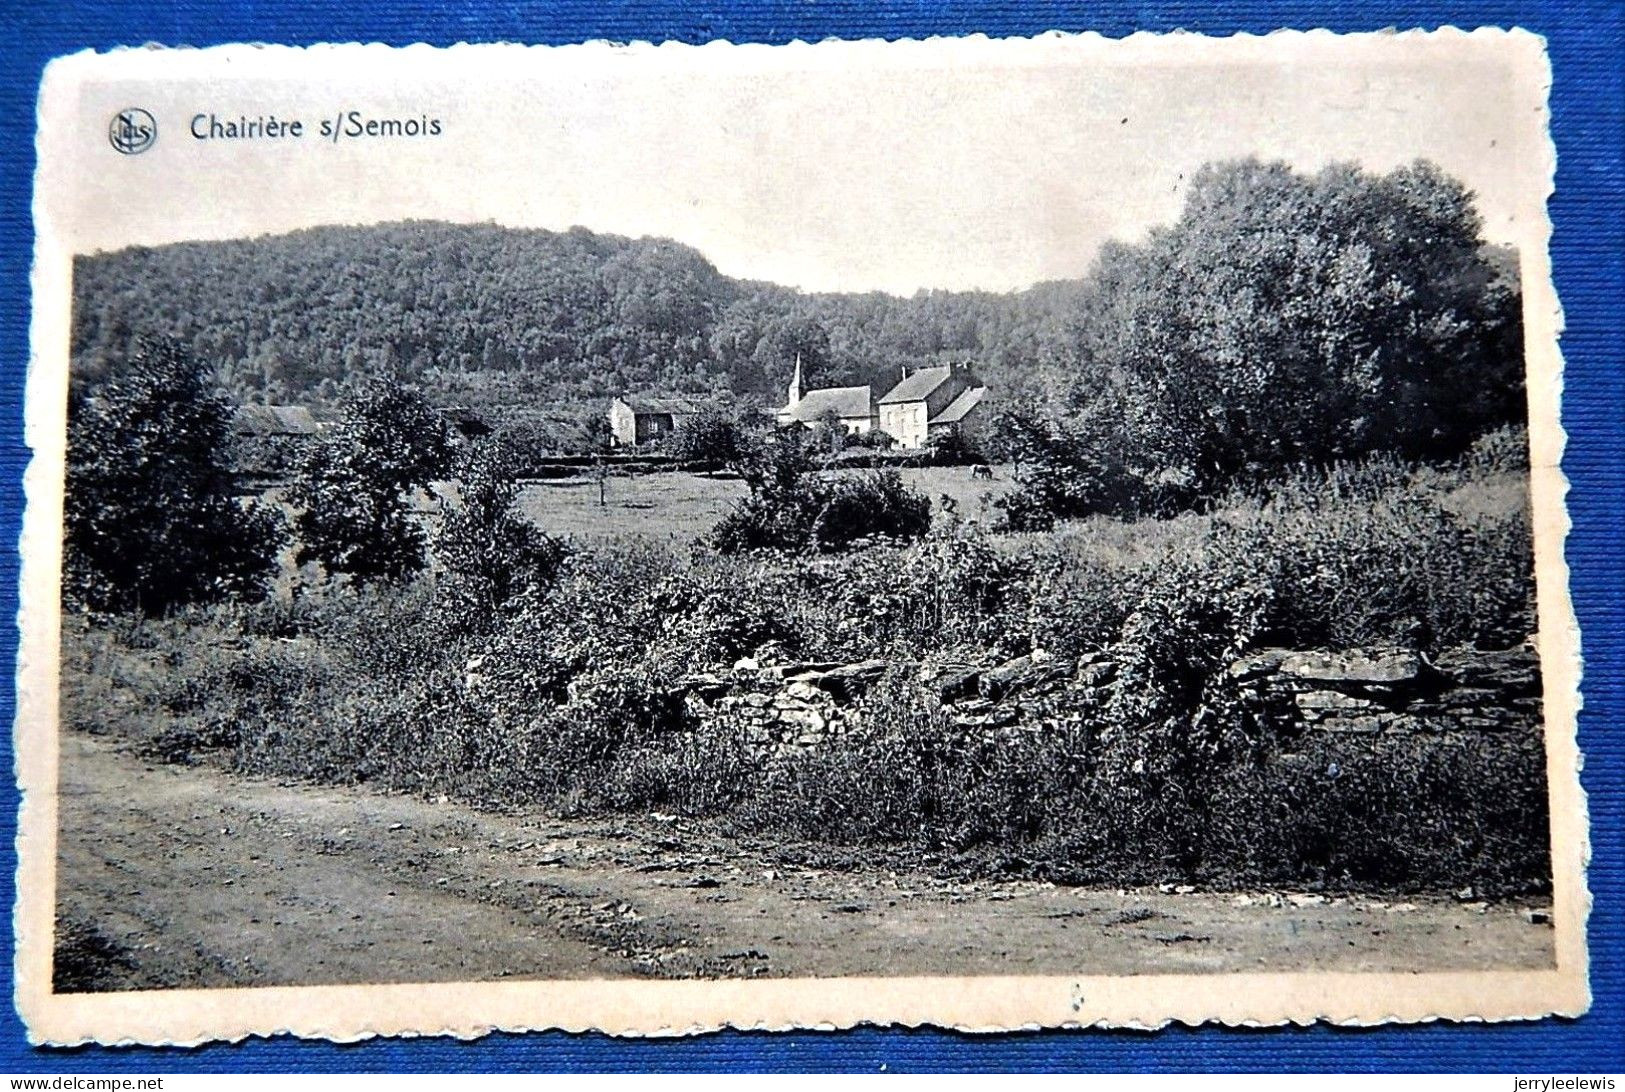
column 853, row 407
column 930, row 402
column 638, row 419
column 268, row 442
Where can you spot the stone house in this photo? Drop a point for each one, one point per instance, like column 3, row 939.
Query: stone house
column 929, row 402
column 639, row 419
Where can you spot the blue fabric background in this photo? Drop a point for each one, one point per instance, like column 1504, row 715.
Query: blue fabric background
column 1587, row 42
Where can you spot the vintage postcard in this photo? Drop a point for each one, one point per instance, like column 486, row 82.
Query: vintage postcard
column 652, row 538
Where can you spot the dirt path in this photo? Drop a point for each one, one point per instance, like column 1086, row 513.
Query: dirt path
column 191, row 877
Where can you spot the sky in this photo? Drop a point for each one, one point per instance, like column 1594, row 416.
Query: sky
column 839, row 166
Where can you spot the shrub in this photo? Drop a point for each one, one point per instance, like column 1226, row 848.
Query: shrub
column 1170, row 718
column 1406, row 813
column 825, row 514
column 530, row 440
column 1081, row 467
column 599, row 609
column 713, row 615
column 775, row 515
column 868, row 505
column 960, row 590
column 711, row 437
column 781, row 522
column 1077, row 603
column 1372, row 553
column 488, row 555
column 955, row 447
column 910, row 776
column 873, row 440
column 693, row 773
column 150, row 517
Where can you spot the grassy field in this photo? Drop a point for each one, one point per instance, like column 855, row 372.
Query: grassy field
column 682, row 507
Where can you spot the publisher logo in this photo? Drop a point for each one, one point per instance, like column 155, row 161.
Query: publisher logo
column 132, row 131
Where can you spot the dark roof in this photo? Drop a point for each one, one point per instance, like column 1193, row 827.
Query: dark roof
column 845, row 402
column 968, row 399
column 676, row 406
column 917, row 384
column 273, row 421
column 465, row 420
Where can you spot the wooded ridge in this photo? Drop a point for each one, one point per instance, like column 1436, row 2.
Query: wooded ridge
column 490, row 312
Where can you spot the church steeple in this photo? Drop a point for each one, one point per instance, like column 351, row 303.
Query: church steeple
column 798, row 386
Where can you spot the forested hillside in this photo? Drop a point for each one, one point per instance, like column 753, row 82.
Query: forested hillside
column 1282, row 318
column 489, row 314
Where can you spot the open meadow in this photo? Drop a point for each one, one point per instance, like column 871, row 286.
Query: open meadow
column 682, row 507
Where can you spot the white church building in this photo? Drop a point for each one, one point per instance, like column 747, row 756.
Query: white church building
column 926, row 403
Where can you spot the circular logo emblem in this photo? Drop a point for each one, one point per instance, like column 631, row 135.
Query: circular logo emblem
column 132, row 131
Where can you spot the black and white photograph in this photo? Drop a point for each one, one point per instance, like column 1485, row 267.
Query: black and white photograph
column 1054, row 511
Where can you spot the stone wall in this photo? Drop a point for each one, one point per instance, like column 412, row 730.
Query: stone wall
column 1391, row 690
column 785, row 707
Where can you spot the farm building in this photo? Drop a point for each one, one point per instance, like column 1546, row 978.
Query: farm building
column 465, row 423
column 261, row 421
column 637, row 419
column 267, row 441
column 930, row 402
column 854, row 407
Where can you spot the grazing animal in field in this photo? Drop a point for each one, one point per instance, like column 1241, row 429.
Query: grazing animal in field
column 981, row 472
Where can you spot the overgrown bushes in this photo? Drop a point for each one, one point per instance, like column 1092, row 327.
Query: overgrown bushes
column 790, row 508
column 572, row 699
column 490, row 556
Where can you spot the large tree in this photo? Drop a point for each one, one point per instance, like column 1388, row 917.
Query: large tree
column 151, row 518
column 1288, row 318
column 355, row 493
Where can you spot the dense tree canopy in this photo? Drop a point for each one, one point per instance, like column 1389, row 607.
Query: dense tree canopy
column 1282, row 319
column 1287, row 318
column 495, row 316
